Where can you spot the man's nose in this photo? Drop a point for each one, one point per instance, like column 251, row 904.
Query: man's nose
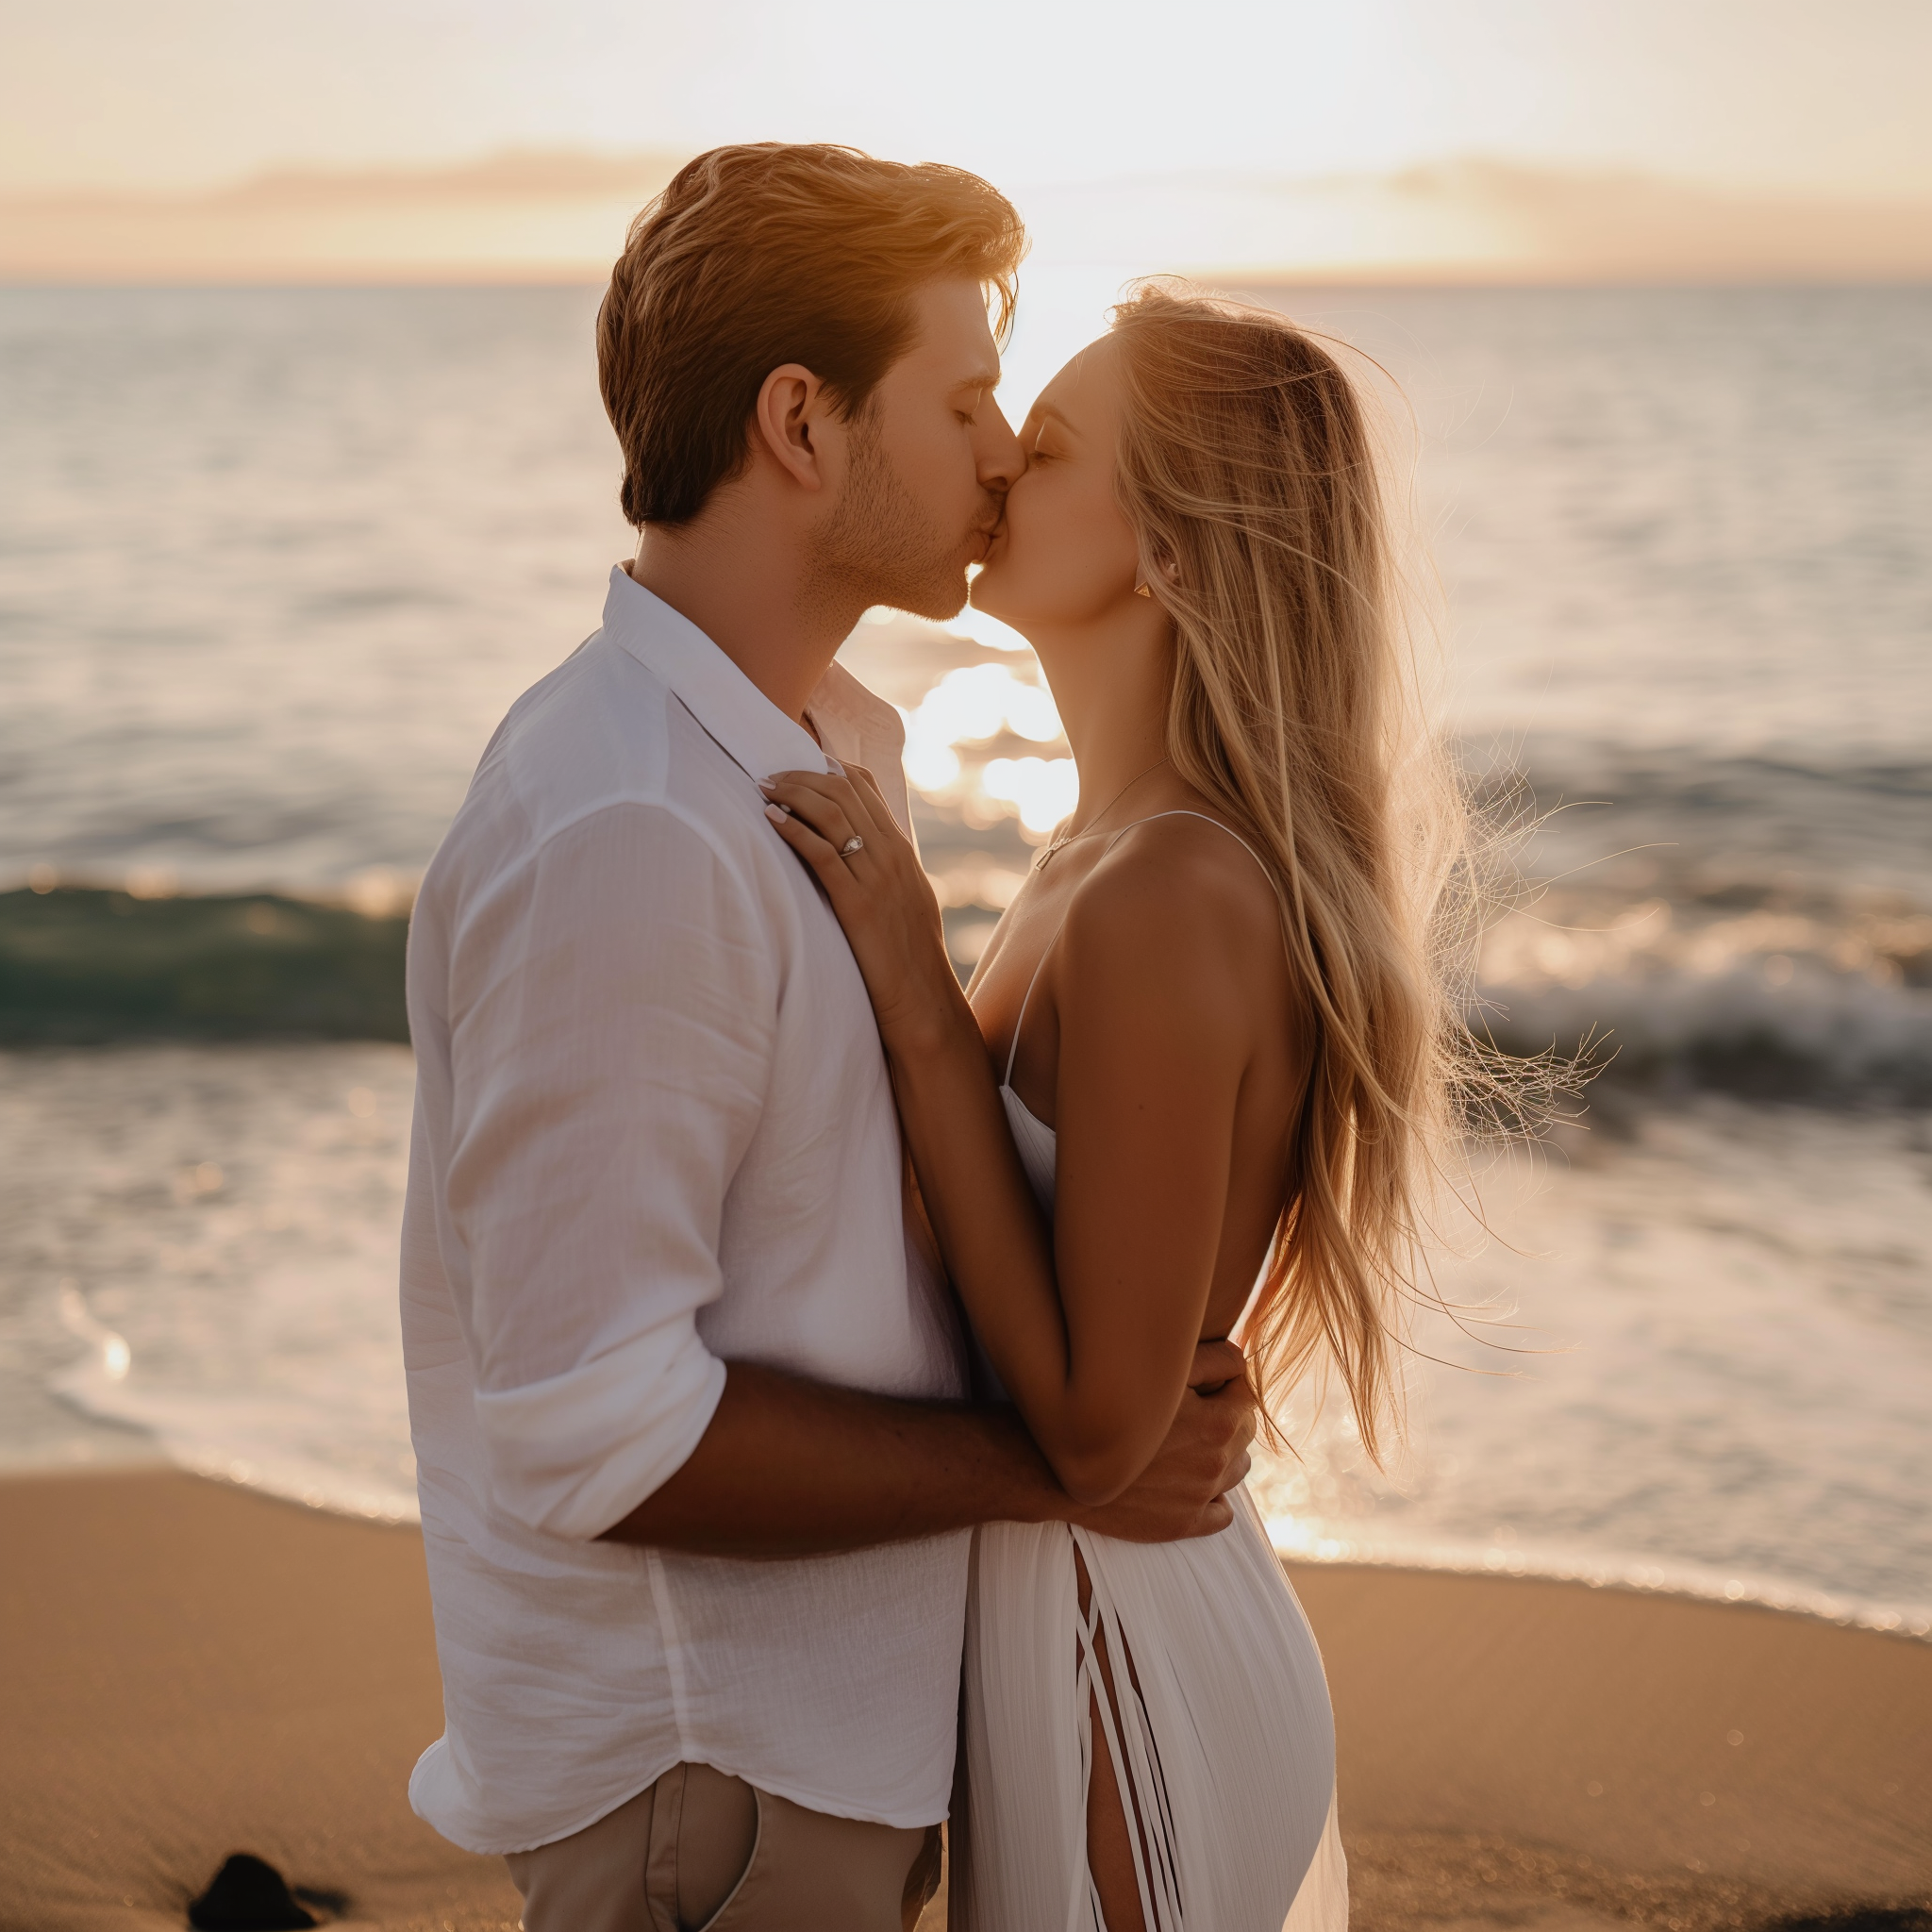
column 1000, row 459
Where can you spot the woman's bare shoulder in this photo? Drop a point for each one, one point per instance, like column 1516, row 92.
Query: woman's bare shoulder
column 1187, row 864
column 1181, row 895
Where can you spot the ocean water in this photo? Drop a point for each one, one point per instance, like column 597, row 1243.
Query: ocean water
column 273, row 563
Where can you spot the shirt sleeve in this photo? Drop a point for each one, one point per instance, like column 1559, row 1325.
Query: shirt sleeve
column 612, row 1007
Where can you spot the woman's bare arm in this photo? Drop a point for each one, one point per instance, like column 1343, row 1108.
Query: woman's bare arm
column 1093, row 1336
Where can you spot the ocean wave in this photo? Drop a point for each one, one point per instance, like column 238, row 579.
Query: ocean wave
column 86, row 964
column 1753, row 924
column 302, row 1397
column 240, row 1437
column 1767, row 1004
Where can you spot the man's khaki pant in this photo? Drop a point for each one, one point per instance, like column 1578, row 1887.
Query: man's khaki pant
column 700, row 1852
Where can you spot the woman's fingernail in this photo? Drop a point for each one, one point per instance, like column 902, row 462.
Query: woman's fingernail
column 777, row 813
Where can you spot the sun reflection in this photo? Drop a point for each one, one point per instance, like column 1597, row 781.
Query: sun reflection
column 977, row 705
column 1042, row 791
column 116, row 1358
column 974, row 703
column 977, row 879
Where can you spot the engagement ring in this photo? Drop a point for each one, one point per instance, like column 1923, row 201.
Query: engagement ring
column 853, row 844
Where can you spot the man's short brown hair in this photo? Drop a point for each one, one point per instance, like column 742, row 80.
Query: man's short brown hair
column 761, row 255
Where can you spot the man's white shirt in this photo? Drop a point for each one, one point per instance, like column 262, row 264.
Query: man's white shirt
column 653, row 1134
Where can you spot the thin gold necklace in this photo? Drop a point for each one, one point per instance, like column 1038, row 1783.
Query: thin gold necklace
column 1073, row 837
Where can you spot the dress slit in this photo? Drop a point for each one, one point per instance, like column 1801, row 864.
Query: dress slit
column 1217, row 1728
column 1134, row 1750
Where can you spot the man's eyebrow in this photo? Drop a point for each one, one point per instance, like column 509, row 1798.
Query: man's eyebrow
column 980, row 378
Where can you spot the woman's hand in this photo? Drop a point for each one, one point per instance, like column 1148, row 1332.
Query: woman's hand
column 844, row 831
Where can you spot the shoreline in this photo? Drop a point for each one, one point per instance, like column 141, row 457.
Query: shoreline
column 191, row 1668
column 1295, row 1543
column 1664, row 1580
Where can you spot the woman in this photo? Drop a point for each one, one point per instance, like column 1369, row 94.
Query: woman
column 1204, row 1046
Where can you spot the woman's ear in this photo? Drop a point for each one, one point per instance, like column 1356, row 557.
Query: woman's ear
column 1162, row 569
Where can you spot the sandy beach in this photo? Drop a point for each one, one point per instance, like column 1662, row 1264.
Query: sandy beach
column 191, row 1670
column 188, row 1669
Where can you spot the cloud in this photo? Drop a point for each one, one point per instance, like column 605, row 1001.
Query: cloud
column 562, row 214
column 514, row 175
column 518, row 215
column 1481, row 221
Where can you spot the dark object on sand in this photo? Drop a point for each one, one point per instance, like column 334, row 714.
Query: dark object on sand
column 79, row 964
column 248, row 1895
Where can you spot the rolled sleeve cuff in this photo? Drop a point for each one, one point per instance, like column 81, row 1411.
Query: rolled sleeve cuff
column 574, row 1455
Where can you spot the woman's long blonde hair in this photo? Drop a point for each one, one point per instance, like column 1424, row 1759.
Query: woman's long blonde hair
column 1248, row 471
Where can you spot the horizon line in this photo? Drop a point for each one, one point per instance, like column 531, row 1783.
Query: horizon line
column 539, row 171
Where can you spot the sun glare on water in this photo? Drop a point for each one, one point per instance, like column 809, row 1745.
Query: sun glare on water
column 959, row 753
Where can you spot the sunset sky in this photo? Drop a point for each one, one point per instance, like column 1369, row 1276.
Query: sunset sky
column 1768, row 100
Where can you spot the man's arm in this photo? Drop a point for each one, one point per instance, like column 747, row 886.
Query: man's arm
column 792, row 1468
column 610, row 1040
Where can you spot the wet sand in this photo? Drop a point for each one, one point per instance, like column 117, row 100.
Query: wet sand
column 1517, row 1752
column 188, row 1669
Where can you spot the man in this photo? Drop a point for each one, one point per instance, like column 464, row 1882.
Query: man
column 684, row 1390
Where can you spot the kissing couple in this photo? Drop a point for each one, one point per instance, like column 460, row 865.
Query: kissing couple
column 826, row 1413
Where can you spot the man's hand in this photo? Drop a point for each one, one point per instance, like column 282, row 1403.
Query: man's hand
column 1183, row 1491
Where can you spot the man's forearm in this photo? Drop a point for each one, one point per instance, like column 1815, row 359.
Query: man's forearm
column 787, row 1468
column 790, row 1468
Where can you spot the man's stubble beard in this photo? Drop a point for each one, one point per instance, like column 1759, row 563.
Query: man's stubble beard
column 880, row 545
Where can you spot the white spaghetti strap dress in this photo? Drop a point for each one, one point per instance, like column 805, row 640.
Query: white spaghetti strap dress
column 1220, row 1729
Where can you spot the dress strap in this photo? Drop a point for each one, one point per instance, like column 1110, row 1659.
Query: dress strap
column 1013, row 1050
column 1179, row 812
column 1182, row 812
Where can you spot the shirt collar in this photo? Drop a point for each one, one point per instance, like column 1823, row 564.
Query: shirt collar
column 750, row 727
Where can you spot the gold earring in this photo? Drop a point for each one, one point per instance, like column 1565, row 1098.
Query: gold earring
column 1141, row 591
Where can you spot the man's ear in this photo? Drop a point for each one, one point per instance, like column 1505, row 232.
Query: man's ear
column 790, row 423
